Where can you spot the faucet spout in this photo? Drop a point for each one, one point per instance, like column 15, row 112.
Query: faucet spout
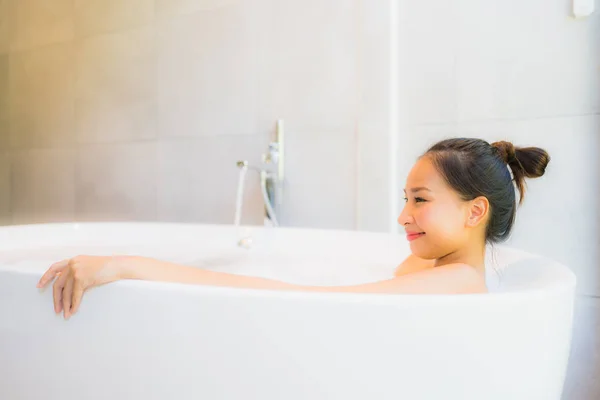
column 271, row 179
column 267, row 183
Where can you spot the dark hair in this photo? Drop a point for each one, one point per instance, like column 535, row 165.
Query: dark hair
column 474, row 167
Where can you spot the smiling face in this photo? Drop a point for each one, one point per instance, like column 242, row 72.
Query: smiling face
column 435, row 218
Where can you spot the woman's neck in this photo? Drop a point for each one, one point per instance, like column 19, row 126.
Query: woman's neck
column 473, row 256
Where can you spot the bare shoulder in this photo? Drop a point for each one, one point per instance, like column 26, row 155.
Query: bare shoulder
column 423, row 279
column 448, row 279
column 462, row 277
column 413, row 264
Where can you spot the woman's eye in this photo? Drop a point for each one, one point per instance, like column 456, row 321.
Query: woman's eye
column 417, row 200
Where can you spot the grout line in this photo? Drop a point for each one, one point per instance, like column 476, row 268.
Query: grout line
column 516, row 119
column 83, row 145
column 393, row 115
column 359, row 35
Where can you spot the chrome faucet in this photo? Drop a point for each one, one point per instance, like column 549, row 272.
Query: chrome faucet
column 271, row 174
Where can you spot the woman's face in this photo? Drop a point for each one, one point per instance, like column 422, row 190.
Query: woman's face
column 434, row 215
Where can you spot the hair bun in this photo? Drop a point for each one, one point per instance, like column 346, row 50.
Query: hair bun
column 506, row 150
column 524, row 162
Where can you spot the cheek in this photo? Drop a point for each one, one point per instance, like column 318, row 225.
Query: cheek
column 444, row 227
column 424, row 218
column 428, row 247
column 444, row 222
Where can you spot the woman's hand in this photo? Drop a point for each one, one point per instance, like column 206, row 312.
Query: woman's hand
column 74, row 276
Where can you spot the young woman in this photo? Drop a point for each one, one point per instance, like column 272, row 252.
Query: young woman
column 459, row 196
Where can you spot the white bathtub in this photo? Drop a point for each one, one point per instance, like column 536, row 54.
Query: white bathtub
column 144, row 340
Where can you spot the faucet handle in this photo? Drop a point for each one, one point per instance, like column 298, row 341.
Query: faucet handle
column 273, row 154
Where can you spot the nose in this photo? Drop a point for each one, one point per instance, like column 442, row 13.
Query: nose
column 405, row 217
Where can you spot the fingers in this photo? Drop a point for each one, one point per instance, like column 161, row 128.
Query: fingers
column 54, row 269
column 78, row 289
column 71, row 278
column 67, row 296
column 58, row 291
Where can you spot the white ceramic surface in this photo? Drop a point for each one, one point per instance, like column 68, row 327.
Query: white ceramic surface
column 148, row 340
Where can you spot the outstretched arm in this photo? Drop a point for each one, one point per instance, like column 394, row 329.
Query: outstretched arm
column 438, row 280
column 78, row 274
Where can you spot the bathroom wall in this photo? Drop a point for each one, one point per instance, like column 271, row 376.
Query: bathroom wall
column 528, row 72
column 139, row 109
column 522, row 72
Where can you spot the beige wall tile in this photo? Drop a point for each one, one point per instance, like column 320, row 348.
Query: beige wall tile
column 5, row 18
column 168, row 8
column 37, row 23
column 321, row 181
column 464, row 60
column 207, row 70
column 116, row 182
column 43, row 186
column 5, row 208
column 429, row 33
column 116, row 87
column 100, row 16
column 4, row 103
column 309, row 71
column 4, row 134
column 198, row 178
column 41, row 93
column 373, row 195
column 4, row 98
column 375, row 69
column 506, row 69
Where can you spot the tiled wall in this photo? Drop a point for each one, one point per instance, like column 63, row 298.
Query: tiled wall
column 139, row 109
column 527, row 72
column 530, row 76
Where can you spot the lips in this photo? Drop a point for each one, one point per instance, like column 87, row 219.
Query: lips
column 410, row 236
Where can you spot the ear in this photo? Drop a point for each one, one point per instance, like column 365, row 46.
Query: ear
column 477, row 211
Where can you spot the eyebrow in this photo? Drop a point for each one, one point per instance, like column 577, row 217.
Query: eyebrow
column 418, row 189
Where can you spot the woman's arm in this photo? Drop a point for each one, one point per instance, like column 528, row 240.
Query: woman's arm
column 452, row 279
column 81, row 273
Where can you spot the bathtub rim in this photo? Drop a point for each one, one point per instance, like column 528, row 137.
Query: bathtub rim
column 567, row 286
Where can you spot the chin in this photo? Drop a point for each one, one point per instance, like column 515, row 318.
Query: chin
column 422, row 249
column 422, row 252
